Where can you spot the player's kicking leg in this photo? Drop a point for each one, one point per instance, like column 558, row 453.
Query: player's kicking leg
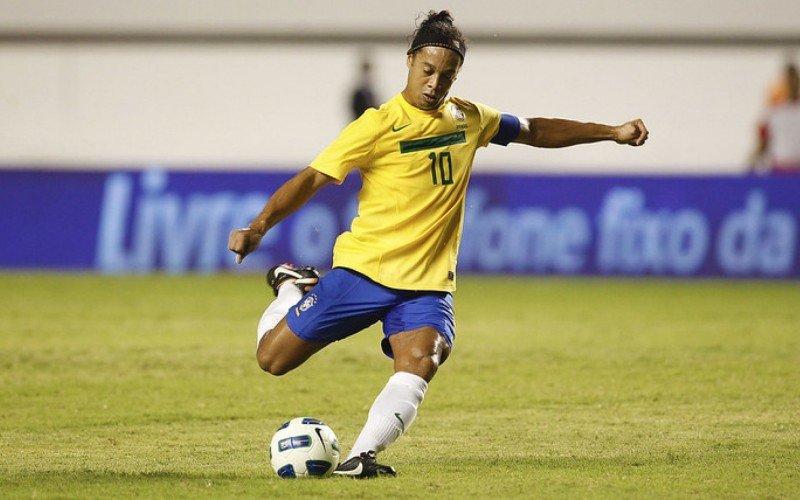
column 419, row 330
column 417, row 356
column 279, row 349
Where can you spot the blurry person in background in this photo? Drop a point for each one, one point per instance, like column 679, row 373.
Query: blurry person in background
column 363, row 96
column 778, row 149
column 778, row 92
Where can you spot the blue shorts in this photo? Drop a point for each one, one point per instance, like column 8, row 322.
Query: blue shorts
column 345, row 302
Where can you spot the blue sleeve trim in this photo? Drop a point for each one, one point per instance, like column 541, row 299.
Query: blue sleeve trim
column 508, row 130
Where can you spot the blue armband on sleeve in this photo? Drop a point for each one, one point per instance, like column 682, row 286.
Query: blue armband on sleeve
column 508, row 130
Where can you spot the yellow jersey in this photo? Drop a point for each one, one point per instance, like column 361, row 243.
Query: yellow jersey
column 415, row 166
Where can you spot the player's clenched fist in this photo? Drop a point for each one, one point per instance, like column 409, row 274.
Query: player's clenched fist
column 633, row 133
column 243, row 241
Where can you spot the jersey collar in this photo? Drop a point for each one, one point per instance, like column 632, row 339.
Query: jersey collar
column 411, row 109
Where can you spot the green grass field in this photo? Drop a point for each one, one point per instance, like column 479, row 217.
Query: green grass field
column 147, row 386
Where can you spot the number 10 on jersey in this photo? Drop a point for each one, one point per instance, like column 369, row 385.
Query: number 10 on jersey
column 445, row 173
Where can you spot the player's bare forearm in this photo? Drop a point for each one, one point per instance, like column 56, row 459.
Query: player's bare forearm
column 287, row 199
column 560, row 133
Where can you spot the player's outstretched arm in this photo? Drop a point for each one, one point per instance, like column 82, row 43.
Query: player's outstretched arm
column 559, row 133
column 292, row 195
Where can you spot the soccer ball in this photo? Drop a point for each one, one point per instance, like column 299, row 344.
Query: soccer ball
column 304, row 447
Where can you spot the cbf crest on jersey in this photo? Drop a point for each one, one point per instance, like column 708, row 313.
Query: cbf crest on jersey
column 457, row 113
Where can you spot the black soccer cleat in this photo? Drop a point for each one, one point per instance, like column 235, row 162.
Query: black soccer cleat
column 302, row 276
column 364, row 466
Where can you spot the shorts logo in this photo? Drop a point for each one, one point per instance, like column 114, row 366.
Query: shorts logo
column 307, row 304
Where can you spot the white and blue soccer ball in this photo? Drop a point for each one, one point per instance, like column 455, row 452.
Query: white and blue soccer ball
column 304, row 447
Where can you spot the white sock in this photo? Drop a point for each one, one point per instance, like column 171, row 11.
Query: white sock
column 288, row 295
column 391, row 414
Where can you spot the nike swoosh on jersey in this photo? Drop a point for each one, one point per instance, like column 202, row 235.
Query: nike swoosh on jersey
column 398, row 129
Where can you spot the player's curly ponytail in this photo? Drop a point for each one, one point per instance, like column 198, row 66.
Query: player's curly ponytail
column 443, row 16
column 438, row 30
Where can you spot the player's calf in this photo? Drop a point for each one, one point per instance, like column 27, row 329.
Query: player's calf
column 282, row 351
column 289, row 283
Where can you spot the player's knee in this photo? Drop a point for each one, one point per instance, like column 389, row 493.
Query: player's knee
column 271, row 364
column 420, row 362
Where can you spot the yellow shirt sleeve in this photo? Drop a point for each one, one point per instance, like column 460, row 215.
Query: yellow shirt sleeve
column 352, row 149
column 490, row 123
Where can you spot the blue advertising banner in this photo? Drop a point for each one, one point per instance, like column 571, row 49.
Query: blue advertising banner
column 155, row 220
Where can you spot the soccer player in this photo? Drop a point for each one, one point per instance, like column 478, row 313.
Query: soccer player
column 397, row 264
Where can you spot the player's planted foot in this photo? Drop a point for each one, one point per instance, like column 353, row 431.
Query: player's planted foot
column 364, row 466
column 304, row 277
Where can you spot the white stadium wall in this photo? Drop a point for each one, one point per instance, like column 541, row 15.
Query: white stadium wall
column 274, row 104
column 505, row 17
